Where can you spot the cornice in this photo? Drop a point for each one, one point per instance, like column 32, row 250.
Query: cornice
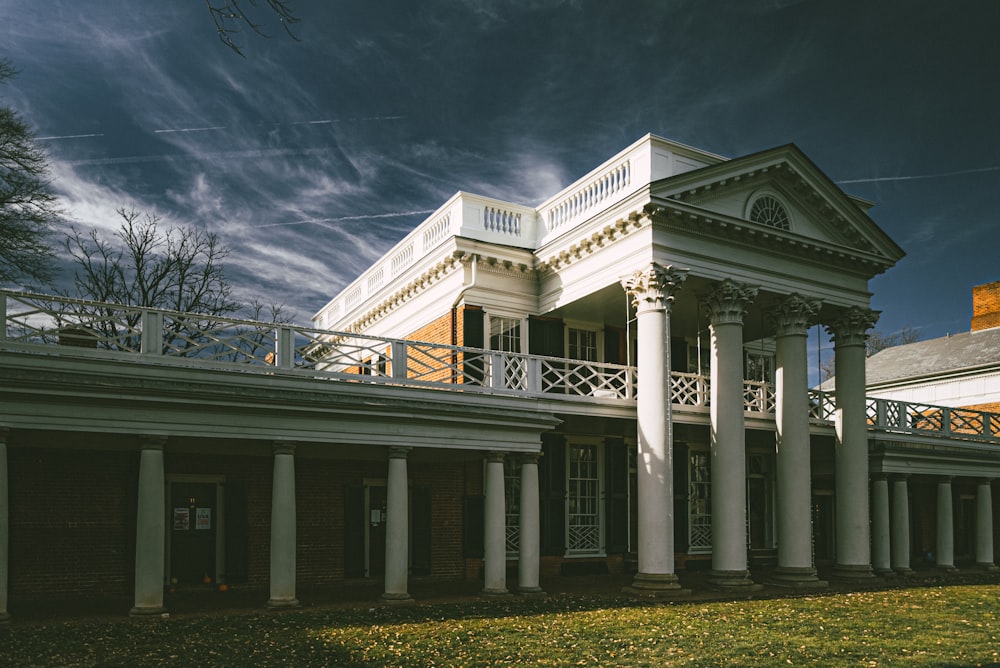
column 691, row 218
column 607, row 235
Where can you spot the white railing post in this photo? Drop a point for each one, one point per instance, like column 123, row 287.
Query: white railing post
column 534, row 375
column 496, row 371
column 400, row 358
column 284, row 348
column 151, row 338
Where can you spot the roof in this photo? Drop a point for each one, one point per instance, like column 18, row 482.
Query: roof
column 940, row 356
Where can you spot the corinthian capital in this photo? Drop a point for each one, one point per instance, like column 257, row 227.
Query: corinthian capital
column 653, row 288
column 728, row 302
column 850, row 327
column 794, row 314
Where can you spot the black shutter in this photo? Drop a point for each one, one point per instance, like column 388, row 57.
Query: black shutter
column 354, row 532
column 472, row 525
column 680, row 497
column 616, row 498
column 545, row 337
column 678, row 355
column 473, row 337
column 420, row 527
column 552, row 494
column 613, row 345
column 237, row 531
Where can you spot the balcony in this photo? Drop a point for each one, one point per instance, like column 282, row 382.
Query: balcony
column 47, row 325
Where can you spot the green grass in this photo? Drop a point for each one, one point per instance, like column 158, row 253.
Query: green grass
column 927, row 626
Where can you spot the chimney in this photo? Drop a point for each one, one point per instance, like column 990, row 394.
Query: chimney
column 986, row 306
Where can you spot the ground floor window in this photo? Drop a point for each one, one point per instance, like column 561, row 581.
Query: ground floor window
column 699, row 503
column 583, row 518
column 512, row 504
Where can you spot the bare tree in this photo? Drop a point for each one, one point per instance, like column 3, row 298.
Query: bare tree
column 230, row 17
column 28, row 208
column 875, row 342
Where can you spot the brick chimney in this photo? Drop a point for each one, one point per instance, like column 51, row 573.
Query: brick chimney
column 986, row 306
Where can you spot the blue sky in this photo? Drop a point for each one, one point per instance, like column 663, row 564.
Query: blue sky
column 310, row 158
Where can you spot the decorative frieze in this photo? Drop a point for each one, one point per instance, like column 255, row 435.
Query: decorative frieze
column 653, row 288
column 728, row 302
column 583, row 248
column 794, row 314
column 850, row 327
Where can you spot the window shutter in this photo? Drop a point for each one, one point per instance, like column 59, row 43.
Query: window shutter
column 420, row 527
column 354, row 532
column 237, row 531
column 552, row 494
column 680, row 497
column 472, row 525
column 473, row 337
column 616, row 496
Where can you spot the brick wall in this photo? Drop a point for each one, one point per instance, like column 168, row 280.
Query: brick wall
column 986, row 306
column 71, row 522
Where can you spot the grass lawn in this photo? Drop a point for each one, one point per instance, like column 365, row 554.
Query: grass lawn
column 945, row 626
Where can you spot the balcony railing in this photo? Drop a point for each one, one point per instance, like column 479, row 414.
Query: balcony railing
column 54, row 325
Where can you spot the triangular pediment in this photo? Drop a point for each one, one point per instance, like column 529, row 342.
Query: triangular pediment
column 781, row 192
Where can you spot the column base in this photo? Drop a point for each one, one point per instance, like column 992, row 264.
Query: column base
column 282, row 603
column 798, row 578
column 495, row 592
column 945, row 568
column 531, row 592
column 855, row 573
column 4, row 618
column 733, row 580
column 991, row 568
column 884, row 573
column 149, row 612
column 656, row 585
column 903, row 571
column 396, row 599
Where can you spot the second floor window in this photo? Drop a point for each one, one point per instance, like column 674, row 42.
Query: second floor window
column 582, row 345
column 505, row 334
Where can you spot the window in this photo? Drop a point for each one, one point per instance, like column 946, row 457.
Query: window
column 505, row 334
column 584, row 503
column 767, row 210
column 512, row 503
column 582, row 344
column 759, row 366
column 699, row 503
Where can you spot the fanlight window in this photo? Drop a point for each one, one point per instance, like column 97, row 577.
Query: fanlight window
column 767, row 210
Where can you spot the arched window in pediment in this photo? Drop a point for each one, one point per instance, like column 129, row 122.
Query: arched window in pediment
column 767, row 209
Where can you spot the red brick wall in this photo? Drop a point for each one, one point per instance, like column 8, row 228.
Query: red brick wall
column 986, row 306
column 71, row 519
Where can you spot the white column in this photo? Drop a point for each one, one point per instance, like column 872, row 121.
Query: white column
column 900, row 526
column 984, row 525
column 850, row 422
column 397, row 528
column 726, row 306
column 283, row 534
column 881, row 561
column 150, row 530
column 652, row 291
column 944, row 554
column 529, row 535
column 4, row 527
column 495, row 523
column 792, row 319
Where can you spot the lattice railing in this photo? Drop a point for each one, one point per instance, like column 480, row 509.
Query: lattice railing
column 584, row 537
column 587, row 379
column 689, row 389
column 758, row 397
column 821, row 405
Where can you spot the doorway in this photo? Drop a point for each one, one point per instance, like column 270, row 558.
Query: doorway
column 194, row 532
column 375, row 512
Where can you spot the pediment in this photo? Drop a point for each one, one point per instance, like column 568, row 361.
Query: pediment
column 783, row 193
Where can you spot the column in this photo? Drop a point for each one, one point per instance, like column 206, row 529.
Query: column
column 397, row 529
column 851, row 458
column 900, row 532
column 984, row 525
column 726, row 306
column 495, row 523
column 652, row 291
column 283, row 528
column 880, row 526
column 4, row 527
column 529, row 545
column 944, row 553
column 792, row 318
column 150, row 530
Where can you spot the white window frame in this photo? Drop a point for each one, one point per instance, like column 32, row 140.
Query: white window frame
column 598, row 445
column 594, row 327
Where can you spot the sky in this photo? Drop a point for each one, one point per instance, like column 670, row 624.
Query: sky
column 311, row 156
